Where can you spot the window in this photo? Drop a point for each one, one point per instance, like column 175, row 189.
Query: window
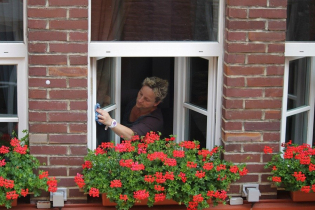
column 13, row 74
column 299, row 76
column 190, row 64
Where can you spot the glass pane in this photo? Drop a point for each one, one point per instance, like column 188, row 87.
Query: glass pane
column 8, row 91
column 155, row 20
column 300, row 20
column 197, row 82
column 105, row 81
column 299, row 83
column 296, row 129
column 197, row 127
column 11, row 20
column 6, row 129
column 103, row 135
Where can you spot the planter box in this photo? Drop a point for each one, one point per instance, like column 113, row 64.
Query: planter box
column 299, row 196
column 107, row 202
column 13, row 203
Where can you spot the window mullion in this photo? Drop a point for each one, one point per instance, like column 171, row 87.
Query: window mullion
column 117, row 92
column 312, row 103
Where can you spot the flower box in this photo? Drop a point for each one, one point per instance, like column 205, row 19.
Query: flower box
column 13, row 203
column 299, row 196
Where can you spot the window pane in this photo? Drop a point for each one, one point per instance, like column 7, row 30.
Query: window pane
column 155, row 20
column 296, row 129
column 197, row 82
column 197, row 127
column 105, row 81
column 6, row 129
column 103, row 135
column 11, row 20
column 301, row 20
column 8, row 92
column 299, row 78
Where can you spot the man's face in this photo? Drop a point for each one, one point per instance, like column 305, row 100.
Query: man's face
column 146, row 98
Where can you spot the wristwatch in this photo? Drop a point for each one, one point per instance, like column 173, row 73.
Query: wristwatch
column 114, row 124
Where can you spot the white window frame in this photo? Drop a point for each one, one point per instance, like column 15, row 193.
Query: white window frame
column 179, row 50
column 15, row 53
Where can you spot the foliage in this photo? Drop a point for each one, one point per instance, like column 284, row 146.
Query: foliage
column 157, row 169
column 293, row 168
column 17, row 177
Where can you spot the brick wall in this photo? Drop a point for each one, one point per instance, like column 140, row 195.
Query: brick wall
column 57, row 46
column 253, row 80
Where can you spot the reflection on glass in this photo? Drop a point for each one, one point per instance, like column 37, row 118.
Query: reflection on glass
column 300, row 20
column 197, row 82
column 105, row 82
column 296, row 128
column 197, row 127
column 6, row 129
column 299, row 82
column 154, row 20
column 11, row 20
column 103, row 135
column 8, row 91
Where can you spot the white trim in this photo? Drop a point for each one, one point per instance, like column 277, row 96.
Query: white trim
column 9, row 119
column 302, row 49
column 117, row 79
column 297, row 110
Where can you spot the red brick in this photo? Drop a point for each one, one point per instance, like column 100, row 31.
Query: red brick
column 78, row 36
column 41, row 82
column 244, row 70
column 264, row 82
column 49, row 150
column 242, row 158
column 275, row 70
column 67, row 139
column 48, row 128
column 277, row 3
column 262, row 126
column 68, row 71
column 232, row 104
column 266, row 36
column 78, row 83
column 247, row 3
column 276, row 25
column 46, row 12
column 263, row 104
column 234, row 82
column 245, row 48
column 56, row 171
column 77, row 128
column 273, row 115
column 37, row 47
column 37, row 71
column 236, row 36
column 274, row 92
column 66, row 182
column 36, row 24
column 76, row 193
column 47, row 36
column 237, row 13
column 271, row 136
column 234, row 58
column 234, row 189
column 38, row 94
column 274, row 48
column 48, row 105
column 266, row 59
column 68, row 2
column 245, row 25
column 47, row 59
column 260, row 147
column 37, row 116
column 67, row 116
column 248, row 178
column 42, row 159
column 231, row 126
column 74, row 170
column 78, row 150
column 232, row 147
column 241, row 137
column 264, row 177
column 268, row 13
column 68, row 94
column 242, row 93
column 266, row 158
column 78, row 105
column 257, row 168
column 71, row 161
column 68, row 24
column 68, row 48
column 36, row 3
column 78, row 60
column 78, row 13
column 242, row 114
